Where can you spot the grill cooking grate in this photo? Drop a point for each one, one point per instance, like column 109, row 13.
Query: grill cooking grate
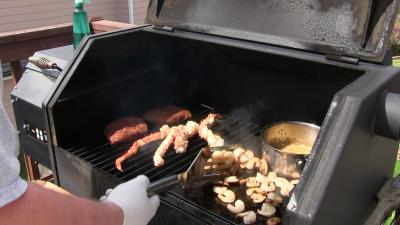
column 232, row 129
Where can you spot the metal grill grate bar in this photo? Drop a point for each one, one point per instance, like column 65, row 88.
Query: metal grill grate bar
column 233, row 130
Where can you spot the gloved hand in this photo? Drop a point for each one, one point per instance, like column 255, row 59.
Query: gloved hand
column 131, row 196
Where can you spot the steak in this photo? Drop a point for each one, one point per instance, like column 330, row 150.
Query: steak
column 167, row 115
column 125, row 129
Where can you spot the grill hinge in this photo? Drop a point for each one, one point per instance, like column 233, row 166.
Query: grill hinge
column 341, row 58
column 163, row 28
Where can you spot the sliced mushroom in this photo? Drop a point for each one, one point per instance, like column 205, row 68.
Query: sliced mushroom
column 249, row 154
column 284, row 184
column 258, row 198
column 294, row 182
column 267, row 210
column 268, row 187
column 263, row 168
column 217, row 157
column 272, row 176
column 295, row 174
column 219, row 190
column 228, row 196
column 261, row 178
column 237, row 208
column 231, row 179
column 274, row 221
column 249, row 217
column 250, row 164
column 252, row 182
column 256, row 162
column 238, row 152
column 281, row 182
column 207, row 168
column 228, row 157
column 250, row 191
column 243, row 158
column 275, row 198
column 285, row 192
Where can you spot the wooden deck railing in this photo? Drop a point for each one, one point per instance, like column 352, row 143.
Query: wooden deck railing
column 18, row 45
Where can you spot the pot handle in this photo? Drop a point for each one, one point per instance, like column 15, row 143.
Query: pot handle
column 389, row 200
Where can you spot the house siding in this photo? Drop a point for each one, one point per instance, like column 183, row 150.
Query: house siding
column 23, row 14
column 140, row 10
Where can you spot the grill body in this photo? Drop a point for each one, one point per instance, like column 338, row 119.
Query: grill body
column 252, row 84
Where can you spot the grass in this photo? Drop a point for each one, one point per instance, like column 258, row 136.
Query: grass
column 396, row 62
column 397, row 169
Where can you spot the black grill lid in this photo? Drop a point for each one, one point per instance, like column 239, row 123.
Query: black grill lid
column 355, row 28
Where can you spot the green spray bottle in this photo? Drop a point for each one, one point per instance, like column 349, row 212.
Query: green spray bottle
column 80, row 22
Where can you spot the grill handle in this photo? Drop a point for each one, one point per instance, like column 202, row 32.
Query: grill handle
column 387, row 121
column 162, row 185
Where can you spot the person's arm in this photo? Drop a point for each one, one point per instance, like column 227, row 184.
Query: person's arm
column 42, row 206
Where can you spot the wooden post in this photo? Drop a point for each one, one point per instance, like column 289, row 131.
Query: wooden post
column 32, row 168
column 16, row 71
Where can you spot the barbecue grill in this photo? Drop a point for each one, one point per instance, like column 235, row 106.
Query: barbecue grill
column 255, row 62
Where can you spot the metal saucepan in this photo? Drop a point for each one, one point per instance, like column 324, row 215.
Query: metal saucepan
column 286, row 146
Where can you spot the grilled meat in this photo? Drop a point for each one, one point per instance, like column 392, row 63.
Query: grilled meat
column 167, row 115
column 125, row 129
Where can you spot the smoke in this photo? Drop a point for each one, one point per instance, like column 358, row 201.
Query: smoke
column 251, row 113
column 243, row 125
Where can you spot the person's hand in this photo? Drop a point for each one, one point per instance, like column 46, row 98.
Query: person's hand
column 131, row 196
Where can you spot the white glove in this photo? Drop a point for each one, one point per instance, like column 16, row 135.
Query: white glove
column 131, row 196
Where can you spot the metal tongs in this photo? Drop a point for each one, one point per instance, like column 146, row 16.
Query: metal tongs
column 389, row 199
column 195, row 177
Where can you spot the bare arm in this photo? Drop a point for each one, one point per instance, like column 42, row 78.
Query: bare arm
column 42, row 206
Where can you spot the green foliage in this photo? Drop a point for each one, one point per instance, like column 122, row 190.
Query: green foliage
column 396, row 49
column 390, row 219
column 396, row 62
column 397, row 169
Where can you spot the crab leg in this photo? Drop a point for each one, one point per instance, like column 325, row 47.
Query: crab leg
column 184, row 133
column 162, row 149
column 212, row 139
column 139, row 143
